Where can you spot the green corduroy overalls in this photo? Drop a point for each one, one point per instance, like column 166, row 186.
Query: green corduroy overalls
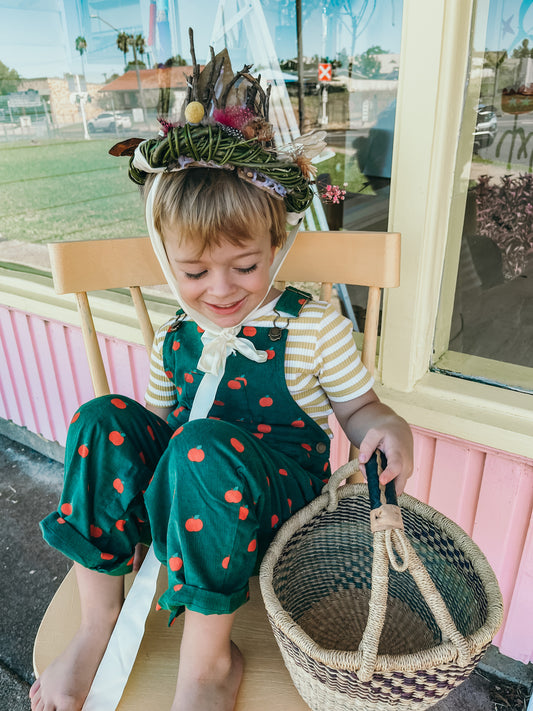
column 209, row 493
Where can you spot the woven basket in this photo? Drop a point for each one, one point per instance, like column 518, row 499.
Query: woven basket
column 365, row 621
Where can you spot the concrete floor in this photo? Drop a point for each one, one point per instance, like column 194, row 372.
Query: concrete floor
column 30, row 572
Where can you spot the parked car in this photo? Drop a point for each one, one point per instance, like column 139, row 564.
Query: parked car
column 109, row 121
column 486, row 126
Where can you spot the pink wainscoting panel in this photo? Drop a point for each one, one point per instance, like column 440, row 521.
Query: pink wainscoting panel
column 517, row 635
column 502, row 521
column 340, row 445
column 14, row 348
column 9, row 391
column 419, row 485
column 44, row 377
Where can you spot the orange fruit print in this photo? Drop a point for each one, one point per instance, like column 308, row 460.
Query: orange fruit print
column 188, row 378
column 83, row 450
column 118, row 485
column 264, row 428
column 243, row 513
column 66, row 509
column 249, row 331
column 234, row 385
column 74, row 418
column 117, row 402
column 196, row 454
column 239, row 446
column 225, row 562
column 275, row 520
column 120, row 524
column 95, row 531
column 116, row 438
column 298, row 423
column 176, row 346
column 252, row 546
column 266, row 401
column 194, row 524
column 233, row 496
column 175, row 563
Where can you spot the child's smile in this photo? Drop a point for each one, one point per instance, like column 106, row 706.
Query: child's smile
column 226, row 282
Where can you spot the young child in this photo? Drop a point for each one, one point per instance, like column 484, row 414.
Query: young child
column 234, row 437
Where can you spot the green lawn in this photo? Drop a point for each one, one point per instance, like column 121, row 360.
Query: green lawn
column 54, row 191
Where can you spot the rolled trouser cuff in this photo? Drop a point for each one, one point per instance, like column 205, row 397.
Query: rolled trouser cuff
column 204, row 601
column 60, row 534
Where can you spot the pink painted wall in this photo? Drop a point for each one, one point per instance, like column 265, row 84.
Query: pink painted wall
column 44, row 378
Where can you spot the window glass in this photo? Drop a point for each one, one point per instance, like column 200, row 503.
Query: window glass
column 77, row 76
column 485, row 326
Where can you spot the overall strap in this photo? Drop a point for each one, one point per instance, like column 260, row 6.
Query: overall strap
column 292, row 301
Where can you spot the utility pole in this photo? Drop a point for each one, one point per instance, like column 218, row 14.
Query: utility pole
column 301, row 105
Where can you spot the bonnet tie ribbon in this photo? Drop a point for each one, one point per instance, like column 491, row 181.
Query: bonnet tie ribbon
column 217, row 347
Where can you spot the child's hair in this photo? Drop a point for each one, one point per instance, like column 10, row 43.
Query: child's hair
column 210, row 205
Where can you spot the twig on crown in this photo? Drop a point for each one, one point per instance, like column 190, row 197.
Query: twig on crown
column 196, row 68
column 209, row 94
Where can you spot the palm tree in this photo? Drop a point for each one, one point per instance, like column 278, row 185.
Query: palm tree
column 123, row 43
column 140, row 44
column 81, row 45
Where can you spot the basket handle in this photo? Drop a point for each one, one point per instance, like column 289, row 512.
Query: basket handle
column 390, row 543
column 373, row 469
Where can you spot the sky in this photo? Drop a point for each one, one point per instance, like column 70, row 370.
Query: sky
column 37, row 36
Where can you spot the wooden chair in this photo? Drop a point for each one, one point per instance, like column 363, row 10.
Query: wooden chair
column 368, row 259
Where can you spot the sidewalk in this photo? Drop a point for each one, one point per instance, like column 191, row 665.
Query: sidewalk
column 30, row 572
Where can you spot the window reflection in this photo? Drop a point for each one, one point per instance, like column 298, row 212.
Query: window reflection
column 102, row 69
column 492, row 309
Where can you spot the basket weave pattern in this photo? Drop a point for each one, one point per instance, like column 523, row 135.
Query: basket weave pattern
column 319, row 576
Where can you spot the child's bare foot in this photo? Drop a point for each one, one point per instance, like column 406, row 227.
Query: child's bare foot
column 64, row 685
column 214, row 689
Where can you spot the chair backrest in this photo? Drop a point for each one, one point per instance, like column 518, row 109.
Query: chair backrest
column 364, row 258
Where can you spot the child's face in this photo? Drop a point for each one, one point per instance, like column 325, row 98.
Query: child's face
column 226, row 282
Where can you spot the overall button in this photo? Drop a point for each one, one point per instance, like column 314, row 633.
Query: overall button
column 321, row 447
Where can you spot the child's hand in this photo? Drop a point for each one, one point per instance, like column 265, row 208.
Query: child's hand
column 395, row 440
column 374, row 425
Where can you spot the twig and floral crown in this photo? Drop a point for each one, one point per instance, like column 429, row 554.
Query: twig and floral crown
column 224, row 124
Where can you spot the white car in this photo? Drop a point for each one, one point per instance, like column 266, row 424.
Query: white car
column 109, row 121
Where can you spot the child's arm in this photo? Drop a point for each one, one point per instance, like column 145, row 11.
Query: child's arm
column 370, row 424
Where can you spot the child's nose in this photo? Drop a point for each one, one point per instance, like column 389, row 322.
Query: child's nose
column 221, row 283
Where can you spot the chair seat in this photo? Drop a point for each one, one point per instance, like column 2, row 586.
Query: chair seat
column 266, row 685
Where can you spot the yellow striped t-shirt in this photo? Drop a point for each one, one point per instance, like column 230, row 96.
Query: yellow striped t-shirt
column 322, row 364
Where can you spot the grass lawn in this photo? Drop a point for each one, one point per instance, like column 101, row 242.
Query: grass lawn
column 55, row 191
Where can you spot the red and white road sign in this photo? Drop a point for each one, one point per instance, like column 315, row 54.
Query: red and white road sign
column 324, row 72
